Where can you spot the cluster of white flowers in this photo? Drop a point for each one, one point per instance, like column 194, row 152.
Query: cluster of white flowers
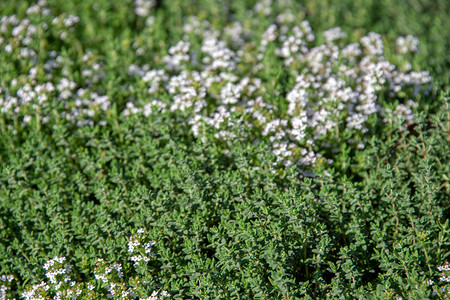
column 53, row 272
column 444, row 269
column 93, row 73
column 218, row 55
column 61, row 283
column 112, row 279
column 193, row 25
column 263, row 7
column 109, row 277
column 236, row 33
column 334, row 34
column 142, row 248
column 407, row 44
column 148, row 108
column 36, row 291
column 442, row 288
column 373, row 43
column 177, row 55
column 158, row 296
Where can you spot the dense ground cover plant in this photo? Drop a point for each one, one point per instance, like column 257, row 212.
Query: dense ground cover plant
column 226, row 225
column 260, row 157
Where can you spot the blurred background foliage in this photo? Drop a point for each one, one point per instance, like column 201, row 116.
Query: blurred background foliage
column 106, row 22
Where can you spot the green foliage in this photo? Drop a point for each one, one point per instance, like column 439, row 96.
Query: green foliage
column 228, row 225
column 228, row 222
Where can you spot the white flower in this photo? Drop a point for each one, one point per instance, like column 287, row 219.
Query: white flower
column 407, row 44
column 334, row 34
column 142, row 7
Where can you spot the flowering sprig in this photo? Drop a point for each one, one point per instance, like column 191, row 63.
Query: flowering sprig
column 140, row 247
column 111, row 278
